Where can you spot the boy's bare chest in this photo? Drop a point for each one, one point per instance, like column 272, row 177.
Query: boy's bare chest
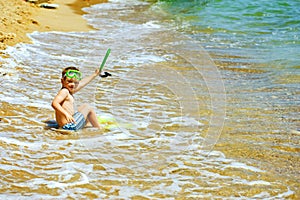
column 69, row 101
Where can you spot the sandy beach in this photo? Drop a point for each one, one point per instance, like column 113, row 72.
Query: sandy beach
column 19, row 17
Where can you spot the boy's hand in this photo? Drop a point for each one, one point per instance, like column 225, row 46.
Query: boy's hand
column 70, row 118
column 97, row 71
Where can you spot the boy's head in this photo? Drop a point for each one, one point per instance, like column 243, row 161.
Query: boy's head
column 71, row 72
column 70, row 78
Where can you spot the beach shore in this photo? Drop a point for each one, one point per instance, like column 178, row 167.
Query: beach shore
column 19, row 17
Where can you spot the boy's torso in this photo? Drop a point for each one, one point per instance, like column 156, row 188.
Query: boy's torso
column 68, row 105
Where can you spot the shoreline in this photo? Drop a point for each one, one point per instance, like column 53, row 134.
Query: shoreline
column 20, row 18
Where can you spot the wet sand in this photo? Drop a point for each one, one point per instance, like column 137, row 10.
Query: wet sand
column 21, row 17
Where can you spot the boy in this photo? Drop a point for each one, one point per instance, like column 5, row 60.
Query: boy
column 63, row 103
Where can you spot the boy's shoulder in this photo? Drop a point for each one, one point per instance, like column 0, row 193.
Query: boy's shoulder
column 63, row 89
column 64, row 92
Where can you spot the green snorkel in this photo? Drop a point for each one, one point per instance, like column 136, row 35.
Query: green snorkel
column 106, row 74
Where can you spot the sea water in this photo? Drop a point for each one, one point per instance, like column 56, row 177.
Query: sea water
column 205, row 95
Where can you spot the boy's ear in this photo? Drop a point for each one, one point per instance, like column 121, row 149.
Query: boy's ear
column 62, row 80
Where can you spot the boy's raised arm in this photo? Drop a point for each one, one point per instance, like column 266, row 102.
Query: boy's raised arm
column 87, row 80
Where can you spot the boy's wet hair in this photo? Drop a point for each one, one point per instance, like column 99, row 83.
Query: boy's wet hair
column 66, row 69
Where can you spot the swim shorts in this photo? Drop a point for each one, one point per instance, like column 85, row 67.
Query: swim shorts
column 80, row 122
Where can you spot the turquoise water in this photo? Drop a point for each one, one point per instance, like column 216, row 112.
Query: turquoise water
column 208, row 90
column 268, row 31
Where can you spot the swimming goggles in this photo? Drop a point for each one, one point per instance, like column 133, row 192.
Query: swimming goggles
column 73, row 74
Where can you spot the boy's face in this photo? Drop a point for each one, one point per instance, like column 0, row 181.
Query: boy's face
column 70, row 83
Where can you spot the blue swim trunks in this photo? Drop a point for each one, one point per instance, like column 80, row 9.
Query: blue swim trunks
column 80, row 122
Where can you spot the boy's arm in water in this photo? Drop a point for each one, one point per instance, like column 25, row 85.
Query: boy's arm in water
column 87, row 80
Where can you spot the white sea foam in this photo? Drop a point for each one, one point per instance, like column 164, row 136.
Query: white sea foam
column 152, row 24
column 244, row 166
